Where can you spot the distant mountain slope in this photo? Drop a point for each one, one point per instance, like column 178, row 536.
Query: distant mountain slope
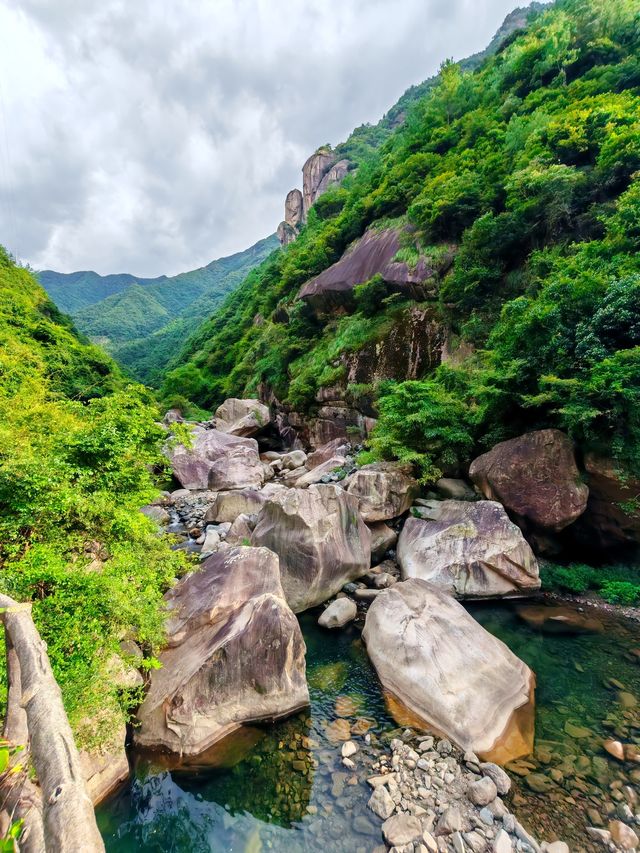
column 141, row 321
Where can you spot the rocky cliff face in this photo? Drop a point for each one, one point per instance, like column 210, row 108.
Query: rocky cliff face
column 321, row 171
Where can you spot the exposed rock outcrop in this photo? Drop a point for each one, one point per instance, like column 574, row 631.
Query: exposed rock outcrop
column 442, row 670
column 409, row 349
column 217, row 460
column 468, row 549
column 293, row 217
column 235, row 655
column 313, row 172
column 293, row 209
column 241, row 417
column 105, row 770
column 320, row 538
column 535, row 477
column 384, row 490
column 611, row 521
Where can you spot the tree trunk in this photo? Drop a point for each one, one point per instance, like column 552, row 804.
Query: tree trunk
column 68, row 816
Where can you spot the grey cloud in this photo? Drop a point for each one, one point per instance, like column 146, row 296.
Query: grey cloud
column 154, row 136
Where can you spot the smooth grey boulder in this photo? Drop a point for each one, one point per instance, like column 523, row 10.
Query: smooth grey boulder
column 320, row 538
column 440, row 669
column 234, row 655
column 338, row 614
column 468, row 549
column 242, row 417
column 384, row 490
column 218, row 461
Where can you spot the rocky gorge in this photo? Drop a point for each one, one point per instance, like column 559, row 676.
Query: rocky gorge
column 280, row 532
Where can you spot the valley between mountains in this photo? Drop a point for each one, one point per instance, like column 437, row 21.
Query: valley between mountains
column 334, row 543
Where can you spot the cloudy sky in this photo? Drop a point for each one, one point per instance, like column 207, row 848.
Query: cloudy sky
column 153, row 136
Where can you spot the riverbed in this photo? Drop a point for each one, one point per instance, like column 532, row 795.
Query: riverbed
column 288, row 789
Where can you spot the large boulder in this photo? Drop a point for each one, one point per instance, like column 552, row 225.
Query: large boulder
column 227, row 506
column 469, row 550
column 217, row 460
column 234, row 655
column 320, row 538
column 535, row 477
column 384, row 490
column 441, row 670
column 242, row 417
column 612, row 518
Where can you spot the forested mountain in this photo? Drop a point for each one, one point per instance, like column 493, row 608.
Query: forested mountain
column 142, row 321
column 77, row 442
column 513, row 195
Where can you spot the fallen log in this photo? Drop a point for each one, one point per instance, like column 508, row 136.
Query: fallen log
column 68, row 818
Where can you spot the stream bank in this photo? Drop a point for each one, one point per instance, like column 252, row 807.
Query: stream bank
column 291, row 790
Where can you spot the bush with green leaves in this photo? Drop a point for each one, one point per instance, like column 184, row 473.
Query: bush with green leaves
column 77, row 445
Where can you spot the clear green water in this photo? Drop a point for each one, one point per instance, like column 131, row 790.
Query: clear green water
column 291, row 791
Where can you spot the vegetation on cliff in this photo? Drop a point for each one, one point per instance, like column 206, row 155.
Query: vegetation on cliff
column 530, row 167
column 77, row 442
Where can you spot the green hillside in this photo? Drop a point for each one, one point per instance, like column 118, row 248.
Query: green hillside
column 77, row 441
column 528, row 168
column 141, row 322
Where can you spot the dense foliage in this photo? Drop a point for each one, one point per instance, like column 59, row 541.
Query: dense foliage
column 616, row 584
column 77, row 442
column 530, row 166
column 143, row 322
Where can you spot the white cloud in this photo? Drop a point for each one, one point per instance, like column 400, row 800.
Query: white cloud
column 152, row 137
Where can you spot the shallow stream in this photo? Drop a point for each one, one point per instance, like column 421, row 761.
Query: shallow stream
column 289, row 790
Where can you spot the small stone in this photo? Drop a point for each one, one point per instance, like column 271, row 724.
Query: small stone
column 450, row 821
column 498, row 808
column 338, row 614
column 622, row 835
column 556, row 847
column 444, row 747
column 429, row 842
column 348, row 749
column 486, row 816
column 601, row 835
column 614, row 748
column 401, row 829
column 458, row 843
column 539, row 783
column 502, row 843
column 577, row 731
column 627, row 700
column 497, row 774
column 348, row 763
column 380, row 803
column 482, row 792
column 475, row 841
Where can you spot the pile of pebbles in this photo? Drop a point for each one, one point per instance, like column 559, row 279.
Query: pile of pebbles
column 433, row 799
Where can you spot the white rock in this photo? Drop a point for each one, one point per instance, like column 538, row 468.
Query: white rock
column 502, row 843
column 338, row 614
